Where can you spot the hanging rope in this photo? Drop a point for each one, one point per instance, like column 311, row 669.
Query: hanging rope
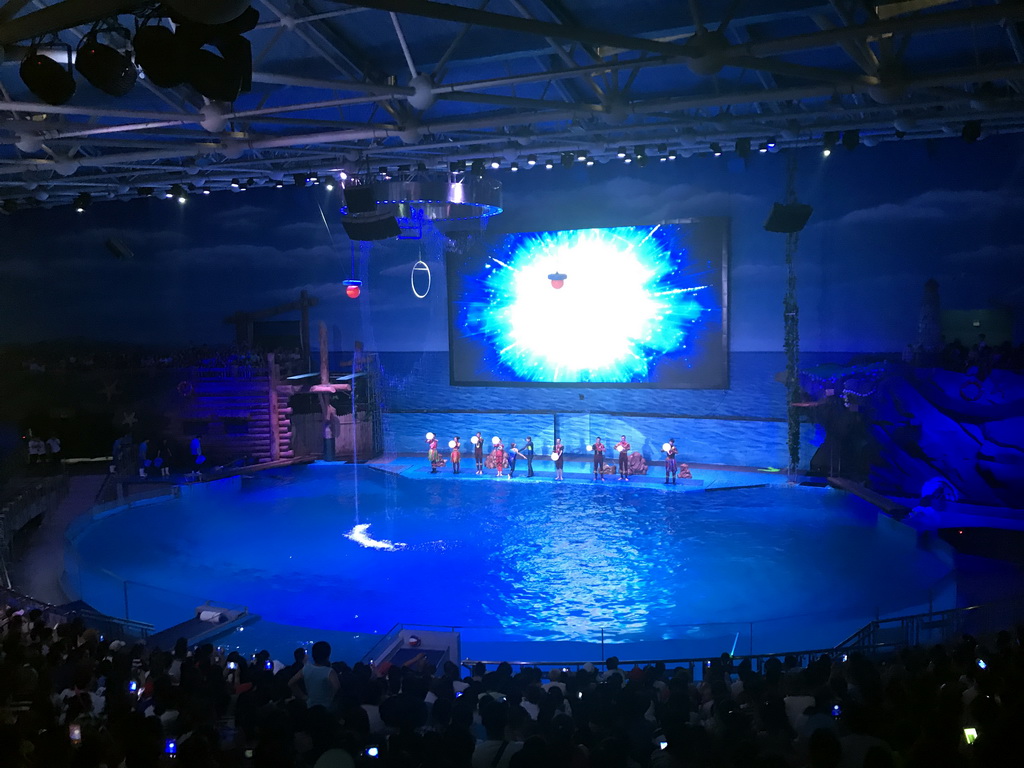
column 791, row 326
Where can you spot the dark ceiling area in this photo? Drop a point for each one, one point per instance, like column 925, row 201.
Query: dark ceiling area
column 273, row 91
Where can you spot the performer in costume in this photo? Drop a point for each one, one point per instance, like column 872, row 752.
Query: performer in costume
column 499, row 458
column 432, row 454
column 513, row 454
column 598, row 459
column 623, row 449
column 559, row 450
column 456, row 455
column 528, row 453
column 478, row 453
column 670, row 460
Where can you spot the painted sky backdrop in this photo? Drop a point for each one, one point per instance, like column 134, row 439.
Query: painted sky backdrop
column 885, row 220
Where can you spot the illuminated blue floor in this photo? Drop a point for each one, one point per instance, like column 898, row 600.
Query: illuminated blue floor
column 346, row 552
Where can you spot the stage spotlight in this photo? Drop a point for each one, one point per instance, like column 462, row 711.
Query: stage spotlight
column 763, row 149
column 159, row 54
column 514, row 166
column 771, row 144
column 169, row 194
column 300, row 180
column 495, row 163
column 590, row 161
column 662, row 149
column 621, row 153
column 278, row 184
column 235, row 183
column 568, row 158
column 477, row 168
column 531, row 160
column 329, row 183
column 850, row 140
column 641, row 160
column 178, row 191
column 830, row 139
column 82, row 202
column 581, row 155
column 548, row 164
column 50, row 81
column 641, row 151
column 206, row 190
column 105, row 67
column 743, row 148
column 627, row 159
column 145, row 191
column 716, row 148
column 672, row 154
column 971, row 131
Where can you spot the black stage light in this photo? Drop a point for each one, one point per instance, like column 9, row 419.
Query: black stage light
column 568, row 158
column 549, row 164
column 145, row 191
column 105, row 67
column 743, row 147
column 851, row 139
column 672, row 154
column 621, row 153
column 495, row 163
column 830, row 139
column 160, row 55
column 455, row 166
column 477, row 168
column 763, row 149
column 421, row 167
column 971, row 131
column 235, row 184
column 178, row 192
column 82, row 202
column 531, row 160
column 514, row 166
column 50, row 81
column 299, row 178
column 716, row 148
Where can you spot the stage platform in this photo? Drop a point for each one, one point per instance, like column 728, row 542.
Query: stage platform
column 706, row 477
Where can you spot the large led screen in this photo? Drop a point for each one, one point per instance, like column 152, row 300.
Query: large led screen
column 619, row 306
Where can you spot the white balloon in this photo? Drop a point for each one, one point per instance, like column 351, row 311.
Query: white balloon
column 666, row 447
column 554, row 456
column 430, row 435
column 590, row 447
column 451, row 443
column 495, row 440
column 474, row 439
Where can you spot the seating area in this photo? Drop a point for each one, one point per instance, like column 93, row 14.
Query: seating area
column 70, row 696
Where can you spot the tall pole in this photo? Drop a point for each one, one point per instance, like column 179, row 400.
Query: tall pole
column 791, row 327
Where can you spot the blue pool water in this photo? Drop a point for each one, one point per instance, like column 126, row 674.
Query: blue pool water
column 338, row 548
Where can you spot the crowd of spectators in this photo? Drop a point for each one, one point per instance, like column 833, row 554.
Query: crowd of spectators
column 70, row 698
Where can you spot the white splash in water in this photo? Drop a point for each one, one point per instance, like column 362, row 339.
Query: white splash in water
column 360, row 536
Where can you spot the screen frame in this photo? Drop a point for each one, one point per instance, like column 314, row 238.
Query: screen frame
column 724, row 229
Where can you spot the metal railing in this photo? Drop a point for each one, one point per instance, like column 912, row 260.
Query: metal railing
column 110, row 627
column 39, row 498
column 875, row 637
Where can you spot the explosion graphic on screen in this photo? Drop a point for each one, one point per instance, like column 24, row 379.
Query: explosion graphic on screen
column 629, row 297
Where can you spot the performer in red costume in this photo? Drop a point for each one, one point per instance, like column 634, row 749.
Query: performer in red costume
column 559, row 451
column 456, row 455
column 432, row 454
column 598, row 459
column 623, row 448
column 499, row 459
column 670, row 461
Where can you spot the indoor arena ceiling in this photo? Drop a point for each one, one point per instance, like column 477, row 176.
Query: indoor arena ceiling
column 416, row 86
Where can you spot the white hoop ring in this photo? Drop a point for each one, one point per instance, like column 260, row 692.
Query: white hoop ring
column 412, row 278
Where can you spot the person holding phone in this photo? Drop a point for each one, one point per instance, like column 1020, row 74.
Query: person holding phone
column 320, row 679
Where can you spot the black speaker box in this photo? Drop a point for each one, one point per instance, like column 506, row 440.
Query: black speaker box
column 372, row 228
column 788, row 218
column 361, row 199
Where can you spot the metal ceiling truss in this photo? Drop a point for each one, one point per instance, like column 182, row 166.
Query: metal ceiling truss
column 441, row 83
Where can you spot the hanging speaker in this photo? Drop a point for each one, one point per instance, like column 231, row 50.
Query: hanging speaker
column 370, row 227
column 788, row 218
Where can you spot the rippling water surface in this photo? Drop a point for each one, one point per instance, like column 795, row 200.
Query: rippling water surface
column 358, row 550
